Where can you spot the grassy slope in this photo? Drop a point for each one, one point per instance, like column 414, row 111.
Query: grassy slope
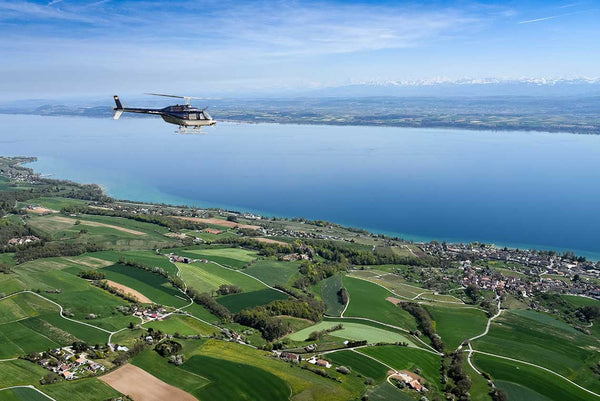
column 359, row 363
column 329, row 292
column 154, row 286
column 455, row 325
column 149, row 258
column 205, row 277
column 77, row 295
column 158, row 366
column 20, row 372
column 237, row 302
column 353, row 331
column 29, row 323
column 273, row 272
column 305, row 385
column 408, row 358
column 235, row 381
column 231, row 257
column 535, row 379
column 183, row 325
column 539, row 338
column 369, row 300
column 22, row 394
column 81, row 390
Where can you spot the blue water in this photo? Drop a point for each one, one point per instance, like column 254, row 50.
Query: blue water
column 510, row 188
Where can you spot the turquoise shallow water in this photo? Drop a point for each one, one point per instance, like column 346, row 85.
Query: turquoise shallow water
column 511, row 188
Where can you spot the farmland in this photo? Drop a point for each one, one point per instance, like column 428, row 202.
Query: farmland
column 359, row 363
column 231, row 257
column 273, row 272
column 154, row 286
column 369, row 300
column 231, row 380
column 408, row 358
column 237, row 302
column 455, row 325
column 30, row 323
column 543, row 340
column 353, row 331
column 207, row 277
column 214, row 356
column 534, row 379
column 329, row 291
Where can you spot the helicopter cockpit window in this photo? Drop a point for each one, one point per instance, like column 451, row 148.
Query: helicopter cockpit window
column 192, row 116
column 206, row 116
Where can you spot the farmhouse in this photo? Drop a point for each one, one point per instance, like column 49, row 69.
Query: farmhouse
column 212, row 231
column 323, row 363
column 291, row 357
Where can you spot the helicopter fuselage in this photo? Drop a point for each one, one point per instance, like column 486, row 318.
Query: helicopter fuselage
column 182, row 115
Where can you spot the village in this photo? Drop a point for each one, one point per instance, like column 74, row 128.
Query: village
column 70, row 362
column 532, row 271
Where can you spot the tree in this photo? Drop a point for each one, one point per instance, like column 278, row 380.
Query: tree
column 472, row 292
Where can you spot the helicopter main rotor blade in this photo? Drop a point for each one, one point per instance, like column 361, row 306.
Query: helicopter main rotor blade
column 160, row 94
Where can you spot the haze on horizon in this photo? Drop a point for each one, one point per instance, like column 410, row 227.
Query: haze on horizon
column 67, row 48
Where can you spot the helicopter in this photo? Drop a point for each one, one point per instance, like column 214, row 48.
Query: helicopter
column 189, row 119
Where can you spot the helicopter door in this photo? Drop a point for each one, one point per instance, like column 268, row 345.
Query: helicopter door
column 192, row 116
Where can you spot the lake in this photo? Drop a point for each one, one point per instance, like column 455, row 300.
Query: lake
column 521, row 189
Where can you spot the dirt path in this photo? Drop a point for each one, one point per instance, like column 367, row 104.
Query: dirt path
column 269, row 241
column 142, row 386
column 218, row 222
column 127, row 290
column 96, row 224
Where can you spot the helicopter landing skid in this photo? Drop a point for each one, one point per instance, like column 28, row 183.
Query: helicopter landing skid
column 190, row 130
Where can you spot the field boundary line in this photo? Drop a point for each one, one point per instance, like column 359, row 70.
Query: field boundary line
column 60, row 312
column 539, row 367
column 30, row 387
column 246, row 274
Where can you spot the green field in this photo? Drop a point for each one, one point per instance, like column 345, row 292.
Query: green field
column 409, row 358
column 22, row 394
column 29, row 323
column 369, row 300
column 534, row 379
column 56, row 203
column 518, row 392
column 20, row 372
column 359, row 363
column 329, row 292
column 455, row 325
column 148, row 258
column 539, row 338
column 154, row 286
column 114, row 232
column 231, row 257
column 183, row 325
column 158, row 366
column 305, row 385
column 392, row 282
column 77, row 296
column 80, row 390
column 207, row 277
column 353, row 331
column 386, row 392
column 578, row 302
column 273, row 272
column 237, row 302
column 235, row 381
column 480, row 389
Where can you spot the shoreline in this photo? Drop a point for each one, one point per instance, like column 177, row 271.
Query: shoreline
column 415, row 238
column 541, row 130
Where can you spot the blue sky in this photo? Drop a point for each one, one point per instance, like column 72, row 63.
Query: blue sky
column 68, row 48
